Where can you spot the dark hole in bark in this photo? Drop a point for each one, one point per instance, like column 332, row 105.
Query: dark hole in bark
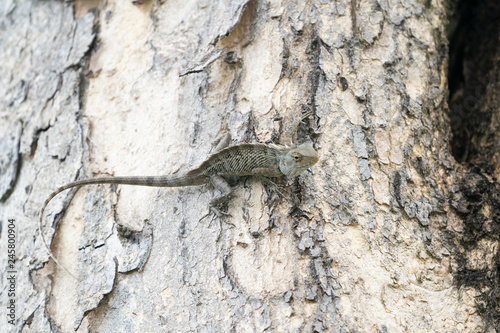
column 474, row 41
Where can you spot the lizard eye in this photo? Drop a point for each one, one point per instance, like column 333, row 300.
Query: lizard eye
column 296, row 156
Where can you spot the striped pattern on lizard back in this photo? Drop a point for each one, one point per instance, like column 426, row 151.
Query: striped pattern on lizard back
column 241, row 160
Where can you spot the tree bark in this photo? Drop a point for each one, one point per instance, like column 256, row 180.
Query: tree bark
column 388, row 232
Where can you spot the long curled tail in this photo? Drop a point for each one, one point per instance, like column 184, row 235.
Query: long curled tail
column 156, row 181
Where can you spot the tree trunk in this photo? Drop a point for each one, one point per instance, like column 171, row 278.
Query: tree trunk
column 388, row 232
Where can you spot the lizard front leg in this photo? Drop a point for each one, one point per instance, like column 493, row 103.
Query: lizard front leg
column 264, row 173
column 222, row 142
column 287, row 138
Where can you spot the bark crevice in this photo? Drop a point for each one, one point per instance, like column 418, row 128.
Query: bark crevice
column 473, row 33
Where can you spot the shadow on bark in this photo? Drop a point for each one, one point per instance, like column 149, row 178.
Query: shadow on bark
column 474, row 35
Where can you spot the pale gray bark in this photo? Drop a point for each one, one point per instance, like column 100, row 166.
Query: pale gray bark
column 366, row 240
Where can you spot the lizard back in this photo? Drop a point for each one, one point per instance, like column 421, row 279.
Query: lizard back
column 241, row 160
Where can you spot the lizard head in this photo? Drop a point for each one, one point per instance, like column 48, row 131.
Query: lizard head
column 298, row 159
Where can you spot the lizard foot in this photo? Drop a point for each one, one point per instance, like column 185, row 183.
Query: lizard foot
column 217, row 211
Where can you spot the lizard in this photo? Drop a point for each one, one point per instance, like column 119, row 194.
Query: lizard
column 246, row 159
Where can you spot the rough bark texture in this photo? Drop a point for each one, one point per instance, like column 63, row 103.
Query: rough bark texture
column 387, row 232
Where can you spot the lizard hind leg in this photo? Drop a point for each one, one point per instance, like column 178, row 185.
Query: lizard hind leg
column 226, row 194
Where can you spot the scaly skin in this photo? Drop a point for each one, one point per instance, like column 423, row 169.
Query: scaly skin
column 240, row 160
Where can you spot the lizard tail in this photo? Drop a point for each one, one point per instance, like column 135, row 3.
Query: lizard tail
column 156, row 181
